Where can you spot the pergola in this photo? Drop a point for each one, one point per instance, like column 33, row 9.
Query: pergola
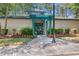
column 46, row 18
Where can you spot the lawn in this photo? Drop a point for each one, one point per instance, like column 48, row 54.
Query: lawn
column 12, row 41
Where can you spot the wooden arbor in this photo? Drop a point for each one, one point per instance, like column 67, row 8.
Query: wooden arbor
column 41, row 17
column 45, row 17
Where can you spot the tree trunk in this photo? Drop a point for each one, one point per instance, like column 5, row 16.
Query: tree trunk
column 0, row 28
column 5, row 28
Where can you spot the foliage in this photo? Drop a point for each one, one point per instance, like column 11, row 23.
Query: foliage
column 49, row 7
column 26, row 31
column 7, row 7
column 75, row 8
column 57, row 31
column 4, row 11
column 3, row 7
column 15, row 40
column 23, row 7
column 64, row 7
column 67, row 31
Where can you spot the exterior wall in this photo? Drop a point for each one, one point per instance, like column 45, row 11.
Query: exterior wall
column 67, row 24
column 72, row 25
column 16, row 24
column 19, row 23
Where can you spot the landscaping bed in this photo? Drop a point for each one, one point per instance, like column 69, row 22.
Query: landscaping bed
column 22, row 33
column 14, row 41
column 56, row 35
column 72, row 39
column 61, row 35
column 15, row 36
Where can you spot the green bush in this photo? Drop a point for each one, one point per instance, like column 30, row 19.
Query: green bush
column 67, row 31
column 4, row 31
column 57, row 31
column 26, row 31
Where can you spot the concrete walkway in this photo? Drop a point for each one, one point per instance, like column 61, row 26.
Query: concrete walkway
column 42, row 46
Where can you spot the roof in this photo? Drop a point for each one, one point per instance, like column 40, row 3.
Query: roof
column 41, row 17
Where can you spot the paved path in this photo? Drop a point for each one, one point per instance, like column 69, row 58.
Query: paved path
column 42, row 46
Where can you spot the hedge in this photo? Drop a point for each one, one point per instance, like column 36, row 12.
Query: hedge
column 26, row 31
column 57, row 31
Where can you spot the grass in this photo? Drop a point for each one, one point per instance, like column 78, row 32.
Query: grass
column 14, row 40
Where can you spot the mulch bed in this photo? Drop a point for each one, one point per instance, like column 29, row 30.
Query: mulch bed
column 61, row 35
column 56, row 35
column 16, row 36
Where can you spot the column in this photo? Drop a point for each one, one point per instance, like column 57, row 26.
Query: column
column 33, row 26
column 46, row 24
column 50, row 26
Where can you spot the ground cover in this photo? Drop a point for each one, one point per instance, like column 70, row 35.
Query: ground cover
column 13, row 41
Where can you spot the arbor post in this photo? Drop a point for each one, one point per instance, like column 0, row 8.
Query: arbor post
column 33, row 26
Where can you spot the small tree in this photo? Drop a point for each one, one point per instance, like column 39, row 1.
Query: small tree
column 4, row 11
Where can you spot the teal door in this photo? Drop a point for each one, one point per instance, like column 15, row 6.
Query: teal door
column 39, row 28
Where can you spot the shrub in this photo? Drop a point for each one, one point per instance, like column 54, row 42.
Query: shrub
column 14, row 30
column 57, row 31
column 4, row 31
column 26, row 31
column 67, row 31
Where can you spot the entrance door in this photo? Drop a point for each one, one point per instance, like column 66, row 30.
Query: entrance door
column 39, row 28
